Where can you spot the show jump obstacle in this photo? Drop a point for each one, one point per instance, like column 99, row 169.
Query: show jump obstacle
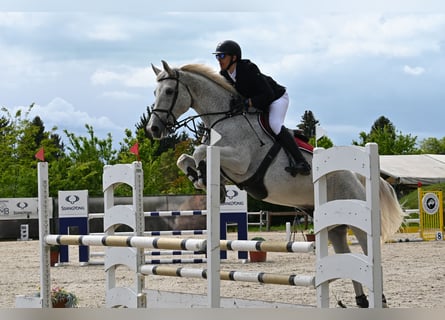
column 129, row 250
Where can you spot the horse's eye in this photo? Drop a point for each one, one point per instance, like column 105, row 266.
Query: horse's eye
column 169, row 91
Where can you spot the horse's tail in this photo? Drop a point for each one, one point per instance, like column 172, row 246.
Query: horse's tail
column 391, row 211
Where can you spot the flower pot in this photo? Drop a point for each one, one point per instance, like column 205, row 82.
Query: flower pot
column 60, row 304
column 54, row 258
column 310, row 237
column 257, row 256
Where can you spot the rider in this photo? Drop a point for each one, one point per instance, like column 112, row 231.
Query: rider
column 263, row 93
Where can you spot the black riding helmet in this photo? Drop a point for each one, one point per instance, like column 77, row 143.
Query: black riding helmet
column 229, row 47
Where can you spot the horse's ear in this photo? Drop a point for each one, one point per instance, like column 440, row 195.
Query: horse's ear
column 155, row 69
column 167, row 68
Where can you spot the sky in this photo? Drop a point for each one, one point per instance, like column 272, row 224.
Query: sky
column 347, row 61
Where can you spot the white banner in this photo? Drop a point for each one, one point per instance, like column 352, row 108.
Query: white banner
column 19, row 208
column 73, row 204
column 236, row 200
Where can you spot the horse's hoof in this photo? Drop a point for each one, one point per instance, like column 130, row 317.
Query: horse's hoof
column 192, row 174
column 384, row 303
column 362, row 301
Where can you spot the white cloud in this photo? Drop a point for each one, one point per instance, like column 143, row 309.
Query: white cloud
column 127, row 76
column 21, row 20
column 374, row 34
column 107, row 32
column 414, row 71
column 100, row 59
column 64, row 115
column 121, row 95
column 104, row 77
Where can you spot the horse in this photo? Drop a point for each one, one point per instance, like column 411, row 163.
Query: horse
column 249, row 156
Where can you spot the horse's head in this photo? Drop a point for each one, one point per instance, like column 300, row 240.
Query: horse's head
column 172, row 99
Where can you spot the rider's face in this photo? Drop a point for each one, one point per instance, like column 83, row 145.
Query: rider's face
column 225, row 61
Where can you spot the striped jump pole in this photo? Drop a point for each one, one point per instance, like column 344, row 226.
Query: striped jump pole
column 157, row 253
column 160, row 233
column 163, row 257
column 179, row 244
column 165, row 213
column 258, row 277
column 175, row 260
column 268, row 246
column 130, row 241
column 173, row 213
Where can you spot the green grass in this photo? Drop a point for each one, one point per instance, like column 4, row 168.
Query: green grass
column 411, row 200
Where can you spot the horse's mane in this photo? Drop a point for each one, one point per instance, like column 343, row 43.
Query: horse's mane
column 210, row 74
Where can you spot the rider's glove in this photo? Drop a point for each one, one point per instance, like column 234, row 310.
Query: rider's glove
column 247, row 104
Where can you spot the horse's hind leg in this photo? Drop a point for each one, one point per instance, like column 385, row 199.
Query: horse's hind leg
column 362, row 239
column 338, row 238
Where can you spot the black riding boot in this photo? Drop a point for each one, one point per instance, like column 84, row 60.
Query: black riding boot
column 288, row 143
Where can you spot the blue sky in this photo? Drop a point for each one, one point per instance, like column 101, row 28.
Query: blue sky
column 347, row 62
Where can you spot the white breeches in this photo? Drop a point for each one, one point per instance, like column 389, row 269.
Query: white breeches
column 277, row 112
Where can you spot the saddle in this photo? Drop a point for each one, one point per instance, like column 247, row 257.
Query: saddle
column 255, row 184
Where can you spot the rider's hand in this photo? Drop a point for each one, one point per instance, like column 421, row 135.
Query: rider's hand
column 247, row 104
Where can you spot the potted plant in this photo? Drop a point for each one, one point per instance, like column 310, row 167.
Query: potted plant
column 257, row 256
column 54, row 254
column 310, row 235
column 60, row 298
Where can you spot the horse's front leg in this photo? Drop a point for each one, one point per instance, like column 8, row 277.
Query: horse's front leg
column 187, row 164
column 199, row 156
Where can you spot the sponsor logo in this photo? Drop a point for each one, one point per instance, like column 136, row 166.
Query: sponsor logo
column 72, row 199
column 231, row 194
column 22, row 205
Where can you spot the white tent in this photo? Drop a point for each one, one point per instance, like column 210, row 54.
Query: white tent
column 412, row 169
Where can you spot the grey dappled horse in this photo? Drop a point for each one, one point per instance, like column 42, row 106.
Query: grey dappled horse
column 243, row 147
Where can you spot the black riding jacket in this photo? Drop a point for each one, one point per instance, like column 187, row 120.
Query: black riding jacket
column 261, row 89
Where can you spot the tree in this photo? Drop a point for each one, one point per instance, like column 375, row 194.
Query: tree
column 323, row 142
column 433, row 146
column 390, row 141
column 142, row 124
column 161, row 175
column 88, row 156
column 308, row 124
column 20, row 140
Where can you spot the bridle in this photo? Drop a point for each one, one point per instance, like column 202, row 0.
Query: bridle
column 171, row 126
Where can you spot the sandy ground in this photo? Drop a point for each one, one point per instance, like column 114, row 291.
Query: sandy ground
column 414, row 275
